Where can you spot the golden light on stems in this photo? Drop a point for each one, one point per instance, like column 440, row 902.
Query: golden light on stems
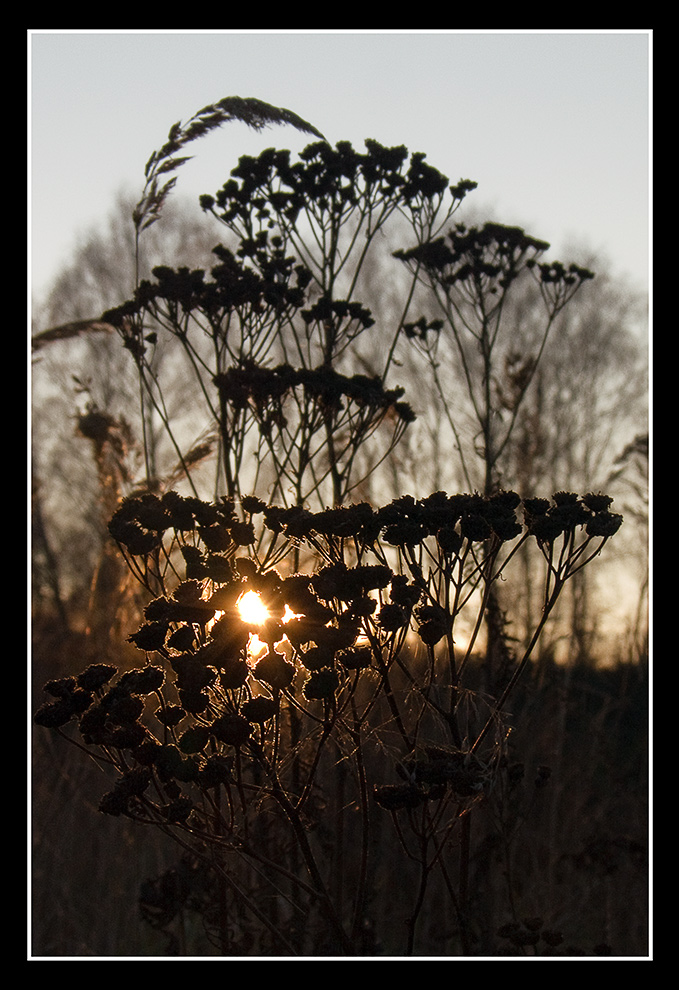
column 216, row 617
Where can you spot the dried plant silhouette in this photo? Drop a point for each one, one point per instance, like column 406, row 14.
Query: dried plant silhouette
column 162, row 163
column 335, row 741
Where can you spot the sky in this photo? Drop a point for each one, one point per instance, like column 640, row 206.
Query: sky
column 553, row 126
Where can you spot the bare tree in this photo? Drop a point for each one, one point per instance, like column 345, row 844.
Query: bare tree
column 85, row 391
column 587, row 401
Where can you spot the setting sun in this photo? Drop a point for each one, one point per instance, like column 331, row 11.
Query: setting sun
column 252, row 609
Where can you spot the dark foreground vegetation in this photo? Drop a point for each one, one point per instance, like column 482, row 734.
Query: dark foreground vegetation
column 558, row 867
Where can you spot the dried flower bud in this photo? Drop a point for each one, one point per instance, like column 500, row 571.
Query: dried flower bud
column 242, row 533
column 431, row 631
column 194, row 701
column 565, row 498
column 273, row 669
column 535, row 507
column 355, row 657
column 122, row 707
column 128, row 736
column 178, row 810
column 597, row 502
column 233, row 673
column 182, row 639
column 475, row 527
column 94, row 726
column 114, row 803
column 321, row 685
column 434, row 624
column 604, row 524
column 252, row 504
column 449, row 540
column 150, row 636
column 394, row 797
column 259, row 710
column 142, row 681
column 96, row 675
column 392, row 617
column 545, row 528
column 234, row 730
column 170, row 715
column 404, row 594
column 134, row 782
column 194, row 739
column 61, row 687
column 54, row 714
column 215, row 771
column 317, row 657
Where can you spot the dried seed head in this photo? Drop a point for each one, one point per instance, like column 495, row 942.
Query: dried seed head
column 259, row 710
column 321, row 685
column 194, row 739
column 273, row 669
column 54, row 714
column 394, row 797
column 171, row 715
column 233, row 673
column 143, row 680
column 96, row 675
column 596, row 501
column 234, row 730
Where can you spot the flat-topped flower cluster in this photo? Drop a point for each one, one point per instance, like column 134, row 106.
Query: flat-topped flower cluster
column 379, row 579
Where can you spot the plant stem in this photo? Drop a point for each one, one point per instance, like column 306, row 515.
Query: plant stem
column 463, row 888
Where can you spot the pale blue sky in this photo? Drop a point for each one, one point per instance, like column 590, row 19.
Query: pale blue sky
column 553, row 126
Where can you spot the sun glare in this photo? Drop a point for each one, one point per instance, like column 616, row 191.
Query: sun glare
column 254, row 612
column 289, row 614
column 252, row 609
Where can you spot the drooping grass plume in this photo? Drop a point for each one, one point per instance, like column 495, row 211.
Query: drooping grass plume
column 255, row 113
column 69, row 330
